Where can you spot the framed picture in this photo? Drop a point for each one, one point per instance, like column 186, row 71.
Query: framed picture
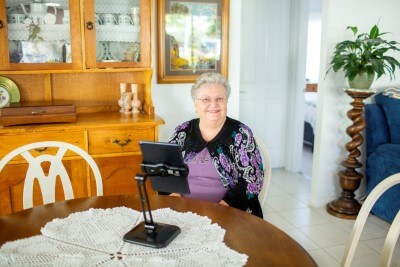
column 192, row 38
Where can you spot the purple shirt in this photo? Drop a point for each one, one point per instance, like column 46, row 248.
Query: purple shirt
column 204, row 180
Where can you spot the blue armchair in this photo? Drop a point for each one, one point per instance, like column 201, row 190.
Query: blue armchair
column 383, row 152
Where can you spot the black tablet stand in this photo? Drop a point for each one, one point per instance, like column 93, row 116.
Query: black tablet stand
column 148, row 233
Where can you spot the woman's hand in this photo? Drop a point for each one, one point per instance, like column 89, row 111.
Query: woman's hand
column 222, row 202
column 175, row 195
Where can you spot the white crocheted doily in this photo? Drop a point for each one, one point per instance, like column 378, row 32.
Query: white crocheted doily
column 94, row 238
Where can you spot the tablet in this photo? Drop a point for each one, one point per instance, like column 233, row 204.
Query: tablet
column 164, row 164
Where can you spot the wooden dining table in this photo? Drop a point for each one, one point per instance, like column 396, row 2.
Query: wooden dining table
column 265, row 244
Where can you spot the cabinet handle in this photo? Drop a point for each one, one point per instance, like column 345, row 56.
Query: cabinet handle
column 89, row 25
column 1, row 24
column 127, row 141
column 38, row 112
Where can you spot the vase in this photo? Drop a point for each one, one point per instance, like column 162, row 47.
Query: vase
column 362, row 81
column 127, row 102
column 122, row 88
column 136, row 103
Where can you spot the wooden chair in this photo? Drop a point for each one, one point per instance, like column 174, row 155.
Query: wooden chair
column 267, row 168
column 394, row 230
column 47, row 183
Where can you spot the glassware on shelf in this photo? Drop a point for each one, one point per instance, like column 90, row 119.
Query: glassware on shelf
column 124, row 19
column 109, row 19
column 66, row 19
column 38, row 32
column 117, row 30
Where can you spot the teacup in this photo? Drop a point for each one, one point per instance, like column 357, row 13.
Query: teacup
column 66, row 19
column 124, row 19
column 97, row 19
column 109, row 19
column 16, row 18
column 135, row 12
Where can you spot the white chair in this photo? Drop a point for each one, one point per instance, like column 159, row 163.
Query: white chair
column 57, row 169
column 267, row 168
column 394, row 230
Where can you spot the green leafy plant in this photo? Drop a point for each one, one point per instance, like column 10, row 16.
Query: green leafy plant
column 365, row 54
column 34, row 30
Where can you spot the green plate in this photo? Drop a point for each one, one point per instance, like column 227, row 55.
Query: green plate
column 11, row 87
column 4, row 97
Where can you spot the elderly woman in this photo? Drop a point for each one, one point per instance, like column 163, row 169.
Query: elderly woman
column 224, row 163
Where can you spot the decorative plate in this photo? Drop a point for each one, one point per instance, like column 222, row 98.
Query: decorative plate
column 4, row 97
column 49, row 19
column 118, row 49
column 9, row 85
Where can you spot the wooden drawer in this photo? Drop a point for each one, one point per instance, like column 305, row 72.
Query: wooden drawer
column 104, row 141
column 118, row 174
column 11, row 142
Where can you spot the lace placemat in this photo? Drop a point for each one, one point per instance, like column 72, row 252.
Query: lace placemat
column 94, row 238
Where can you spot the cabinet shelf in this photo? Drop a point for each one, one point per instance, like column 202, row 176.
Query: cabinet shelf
column 118, row 33
column 61, row 32
column 57, row 32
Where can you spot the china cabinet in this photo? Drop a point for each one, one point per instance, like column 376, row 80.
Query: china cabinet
column 84, row 51
column 71, row 34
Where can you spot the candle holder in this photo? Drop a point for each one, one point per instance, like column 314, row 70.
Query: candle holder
column 136, row 103
column 127, row 102
column 122, row 88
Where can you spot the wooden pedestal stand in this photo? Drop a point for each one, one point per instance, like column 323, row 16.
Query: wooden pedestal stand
column 346, row 206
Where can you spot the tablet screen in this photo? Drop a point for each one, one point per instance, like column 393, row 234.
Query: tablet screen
column 164, row 164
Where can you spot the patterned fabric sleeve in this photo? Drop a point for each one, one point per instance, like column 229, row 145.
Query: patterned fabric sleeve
column 179, row 136
column 247, row 172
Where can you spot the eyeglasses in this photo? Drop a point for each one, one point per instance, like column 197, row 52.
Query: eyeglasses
column 208, row 100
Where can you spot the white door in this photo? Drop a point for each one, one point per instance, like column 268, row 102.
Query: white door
column 265, row 72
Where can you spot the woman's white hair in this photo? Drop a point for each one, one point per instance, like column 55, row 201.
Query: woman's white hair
column 210, row 78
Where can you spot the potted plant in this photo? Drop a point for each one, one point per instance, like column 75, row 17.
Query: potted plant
column 365, row 57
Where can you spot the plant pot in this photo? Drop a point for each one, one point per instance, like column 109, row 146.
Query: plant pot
column 362, row 81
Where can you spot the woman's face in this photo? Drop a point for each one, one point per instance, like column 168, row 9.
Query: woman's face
column 211, row 103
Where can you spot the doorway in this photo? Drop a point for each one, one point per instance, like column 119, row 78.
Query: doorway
column 311, row 91
column 272, row 82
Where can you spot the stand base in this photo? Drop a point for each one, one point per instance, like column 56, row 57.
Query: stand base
column 344, row 208
column 164, row 234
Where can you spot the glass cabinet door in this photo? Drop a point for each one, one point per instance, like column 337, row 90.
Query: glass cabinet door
column 39, row 33
column 118, row 35
column 117, row 31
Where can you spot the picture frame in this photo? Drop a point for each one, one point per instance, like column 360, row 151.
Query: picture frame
column 192, row 38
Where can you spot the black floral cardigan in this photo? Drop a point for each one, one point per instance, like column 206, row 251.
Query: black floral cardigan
column 235, row 156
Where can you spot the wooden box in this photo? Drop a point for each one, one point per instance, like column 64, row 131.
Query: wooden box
column 32, row 113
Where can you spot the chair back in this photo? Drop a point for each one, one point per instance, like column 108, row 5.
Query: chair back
column 394, row 230
column 267, row 168
column 47, row 182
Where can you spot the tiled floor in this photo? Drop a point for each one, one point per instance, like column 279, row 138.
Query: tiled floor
column 322, row 235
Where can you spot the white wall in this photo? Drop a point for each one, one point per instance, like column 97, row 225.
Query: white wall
column 332, row 102
column 173, row 102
